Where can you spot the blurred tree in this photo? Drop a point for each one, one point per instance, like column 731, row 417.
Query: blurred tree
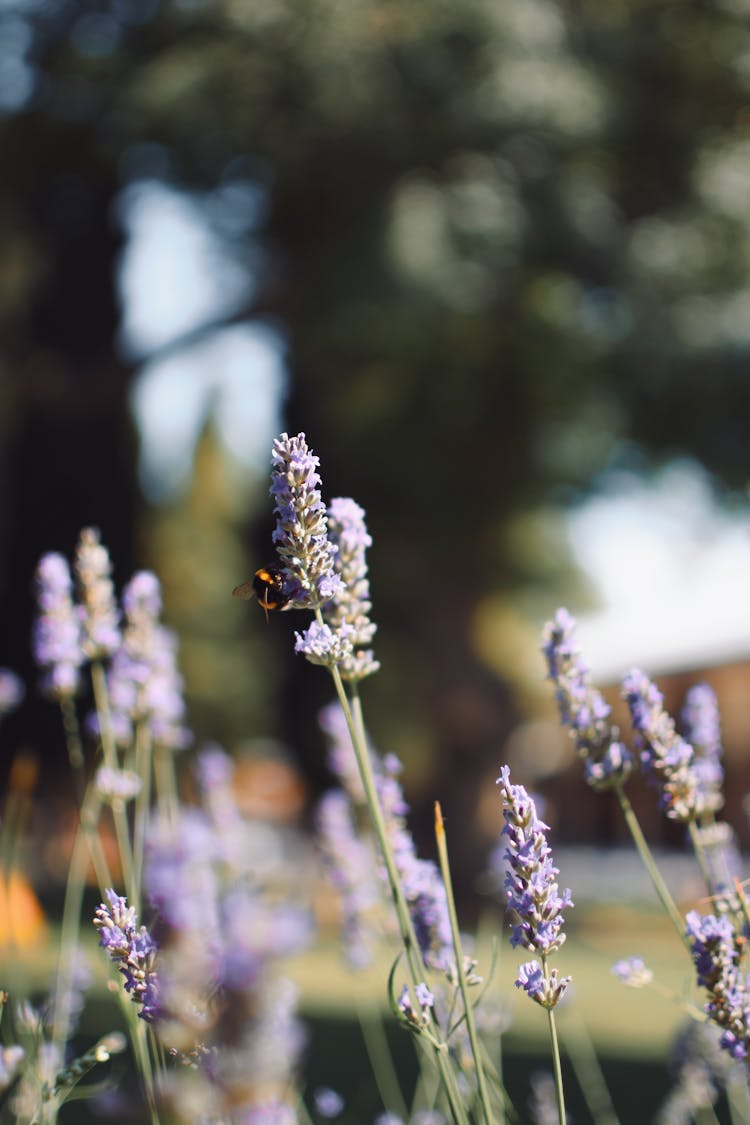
column 509, row 243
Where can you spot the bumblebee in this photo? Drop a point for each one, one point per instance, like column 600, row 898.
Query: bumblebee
column 267, row 585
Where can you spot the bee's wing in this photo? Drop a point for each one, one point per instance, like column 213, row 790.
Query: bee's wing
column 246, row 591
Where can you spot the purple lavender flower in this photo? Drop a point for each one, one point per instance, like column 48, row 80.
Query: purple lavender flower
column 420, row 879
column 716, row 955
column 633, row 972
column 545, row 988
column 582, row 708
column 426, row 1001
column 132, row 949
column 321, row 644
column 218, row 882
column 341, row 759
column 530, row 888
column 531, row 893
column 301, row 535
column 180, row 877
column 99, row 615
column 214, row 771
column 666, row 757
column 348, row 534
column 57, row 632
column 700, row 721
column 425, row 893
column 352, row 866
column 144, row 683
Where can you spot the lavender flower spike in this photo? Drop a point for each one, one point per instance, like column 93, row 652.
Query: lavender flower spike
column 665, row 755
column 301, row 535
column 701, row 724
column 716, row 955
column 352, row 866
column 144, row 683
column 421, row 880
column 531, row 891
column 582, row 708
column 57, row 632
column 99, row 616
column 132, row 949
column 348, row 533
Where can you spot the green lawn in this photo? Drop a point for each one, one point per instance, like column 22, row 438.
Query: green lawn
column 620, row 1020
column 630, row 1030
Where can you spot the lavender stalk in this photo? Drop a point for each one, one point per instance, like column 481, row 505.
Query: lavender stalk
column 406, row 927
column 607, row 762
column 532, row 896
column 689, row 788
column 312, row 581
column 57, row 646
column 484, row 1097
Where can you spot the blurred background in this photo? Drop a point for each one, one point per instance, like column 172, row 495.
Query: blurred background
column 491, row 257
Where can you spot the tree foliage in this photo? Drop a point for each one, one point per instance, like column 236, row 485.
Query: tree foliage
column 508, row 243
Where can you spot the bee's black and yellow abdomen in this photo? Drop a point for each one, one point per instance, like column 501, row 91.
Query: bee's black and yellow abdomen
column 268, row 584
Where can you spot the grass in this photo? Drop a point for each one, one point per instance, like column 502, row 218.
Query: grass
column 597, row 938
column 645, row 1021
column 631, row 1030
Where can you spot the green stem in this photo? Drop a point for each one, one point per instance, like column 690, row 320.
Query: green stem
column 427, row 1090
column 136, row 1027
column 166, row 783
column 137, row 1030
column 700, row 856
column 109, row 753
column 408, row 937
column 142, row 763
column 451, row 1086
column 484, row 1097
column 71, row 919
column 556, row 1066
column 648, row 860
column 411, row 946
column 73, row 743
column 101, row 702
column 359, row 721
